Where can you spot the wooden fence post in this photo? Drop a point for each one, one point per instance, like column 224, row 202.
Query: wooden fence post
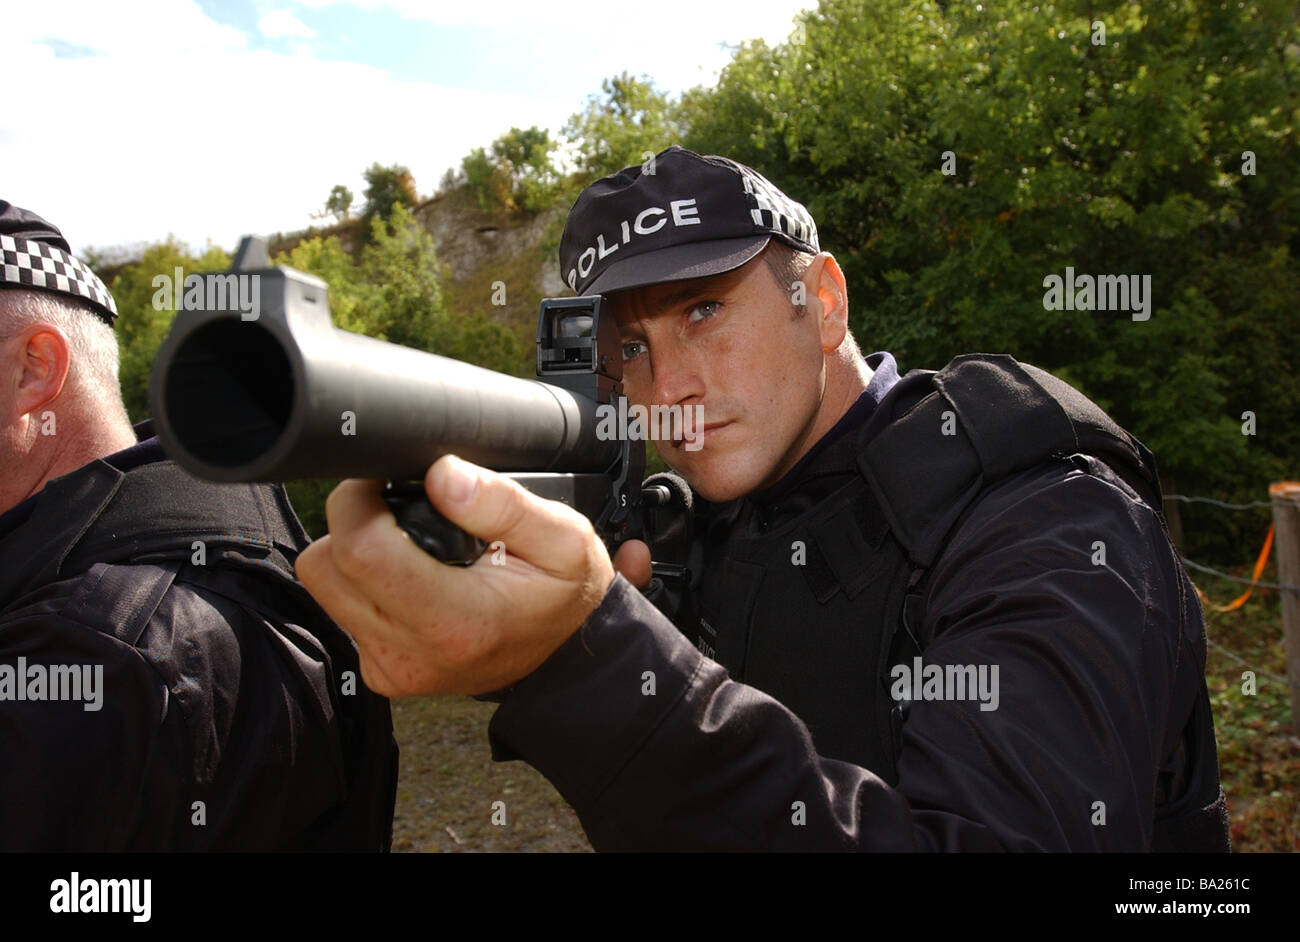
column 1285, row 496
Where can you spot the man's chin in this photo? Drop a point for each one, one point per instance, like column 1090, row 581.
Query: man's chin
column 708, row 484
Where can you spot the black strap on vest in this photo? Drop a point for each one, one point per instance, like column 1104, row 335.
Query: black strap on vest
column 989, row 416
column 123, row 597
column 980, row 419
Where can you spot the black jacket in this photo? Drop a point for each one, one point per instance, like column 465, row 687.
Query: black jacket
column 229, row 712
column 1101, row 688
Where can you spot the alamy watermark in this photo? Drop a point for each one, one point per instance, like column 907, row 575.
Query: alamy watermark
column 946, row 682
column 1098, row 293
column 79, row 894
column 657, row 423
column 210, row 291
column 59, row 682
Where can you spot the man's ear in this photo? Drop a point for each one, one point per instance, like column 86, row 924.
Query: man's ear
column 40, row 361
column 828, row 298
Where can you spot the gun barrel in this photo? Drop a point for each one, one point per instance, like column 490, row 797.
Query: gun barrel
column 287, row 395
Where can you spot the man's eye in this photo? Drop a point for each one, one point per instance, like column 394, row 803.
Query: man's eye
column 632, row 349
column 703, row 311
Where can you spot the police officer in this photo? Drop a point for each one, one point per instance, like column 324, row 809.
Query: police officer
column 934, row 612
column 165, row 684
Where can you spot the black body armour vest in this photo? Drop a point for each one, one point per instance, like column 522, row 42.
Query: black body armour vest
column 813, row 604
column 806, row 612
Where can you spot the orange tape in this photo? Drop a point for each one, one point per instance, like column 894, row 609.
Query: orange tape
column 1259, row 568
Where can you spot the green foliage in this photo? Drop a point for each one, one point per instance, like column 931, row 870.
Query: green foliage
column 387, row 187
column 473, row 293
column 142, row 324
column 631, row 122
column 741, row 114
column 1258, row 759
column 1122, row 158
column 394, row 292
column 339, row 204
column 489, row 185
column 516, row 174
column 307, row 497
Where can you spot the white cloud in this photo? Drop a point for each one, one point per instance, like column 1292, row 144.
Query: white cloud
column 153, row 26
column 281, row 23
column 662, row 19
column 679, row 43
column 175, row 125
column 185, row 130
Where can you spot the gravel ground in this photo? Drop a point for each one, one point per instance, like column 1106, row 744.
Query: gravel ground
column 448, row 786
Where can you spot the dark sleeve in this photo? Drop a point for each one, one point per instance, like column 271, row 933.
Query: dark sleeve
column 1087, row 658
column 102, row 773
column 216, row 728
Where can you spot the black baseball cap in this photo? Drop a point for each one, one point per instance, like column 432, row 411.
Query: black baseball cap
column 678, row 216
column 35, row 256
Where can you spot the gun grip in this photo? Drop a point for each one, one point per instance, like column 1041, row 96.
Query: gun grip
column 430, row 530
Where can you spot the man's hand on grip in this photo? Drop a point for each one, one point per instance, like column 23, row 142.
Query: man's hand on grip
column 423, row 627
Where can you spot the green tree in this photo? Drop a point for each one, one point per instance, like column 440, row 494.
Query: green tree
column 490, row 186
column 387, row 187
column 516, row 174
column 629, row 121
column 339, row 204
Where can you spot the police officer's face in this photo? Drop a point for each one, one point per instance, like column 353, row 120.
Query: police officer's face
column 734, row 345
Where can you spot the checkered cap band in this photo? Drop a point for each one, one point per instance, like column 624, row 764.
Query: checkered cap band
column 772, row 209
column 37, row 265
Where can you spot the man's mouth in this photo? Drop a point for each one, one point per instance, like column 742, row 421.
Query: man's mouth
column 694, row 439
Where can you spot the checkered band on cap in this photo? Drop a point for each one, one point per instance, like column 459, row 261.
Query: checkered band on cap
column 772, row 209
column 37, row 265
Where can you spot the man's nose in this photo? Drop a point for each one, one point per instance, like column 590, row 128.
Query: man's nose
column 677, row 377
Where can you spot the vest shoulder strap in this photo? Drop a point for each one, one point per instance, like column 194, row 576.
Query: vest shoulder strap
column 979, row 419
column 120, row 599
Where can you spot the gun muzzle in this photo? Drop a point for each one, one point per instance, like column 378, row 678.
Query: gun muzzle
column 285, row 394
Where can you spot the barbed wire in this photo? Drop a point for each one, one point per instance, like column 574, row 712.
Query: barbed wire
column 1219, row 503
column 1254, row 583
column 1231, row 578
column 1222, row 650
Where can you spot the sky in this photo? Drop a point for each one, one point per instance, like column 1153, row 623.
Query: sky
column 210, row 119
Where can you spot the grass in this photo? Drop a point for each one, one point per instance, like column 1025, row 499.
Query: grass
column 1259, row 752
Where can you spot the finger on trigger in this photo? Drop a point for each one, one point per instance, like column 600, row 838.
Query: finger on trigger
column 545, row 533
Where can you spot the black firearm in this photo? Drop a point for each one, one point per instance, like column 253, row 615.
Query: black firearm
column 279, row 393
